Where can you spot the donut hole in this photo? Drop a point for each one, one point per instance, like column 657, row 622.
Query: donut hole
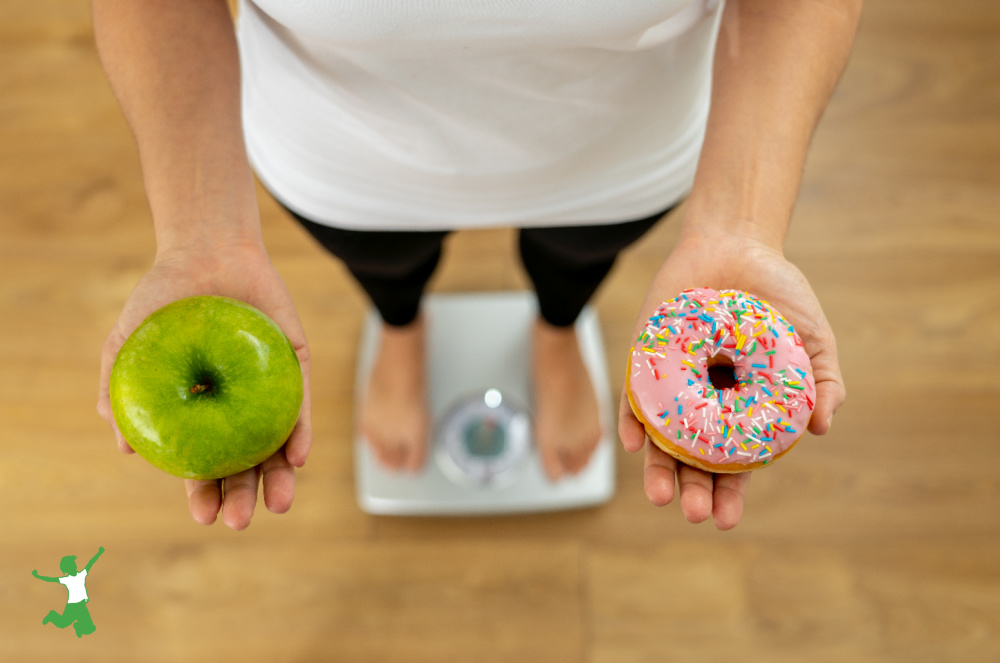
column 722, row 372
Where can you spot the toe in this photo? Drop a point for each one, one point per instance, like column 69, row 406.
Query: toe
column 578, row 460
column 384, row 452
column 416, row 457
column 551, row 463
column 388, row 455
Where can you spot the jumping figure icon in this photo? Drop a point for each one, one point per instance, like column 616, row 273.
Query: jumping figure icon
column 76, row 612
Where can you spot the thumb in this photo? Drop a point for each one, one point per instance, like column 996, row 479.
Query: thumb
column 631, row 432
column 830, row 390
column 112, row 344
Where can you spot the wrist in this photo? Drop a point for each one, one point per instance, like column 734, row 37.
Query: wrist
column 205, row 215
column 235, row 233
column 209, row 249
column 717, row 219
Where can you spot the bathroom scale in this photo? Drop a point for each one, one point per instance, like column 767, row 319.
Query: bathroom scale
column 482, row 459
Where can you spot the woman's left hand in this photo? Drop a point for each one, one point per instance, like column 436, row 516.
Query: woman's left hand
column 727, row 261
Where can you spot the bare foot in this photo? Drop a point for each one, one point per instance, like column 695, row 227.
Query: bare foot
column 394, row 414
column 567, row 426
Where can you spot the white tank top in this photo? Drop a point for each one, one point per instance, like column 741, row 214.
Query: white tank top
column 436, row 114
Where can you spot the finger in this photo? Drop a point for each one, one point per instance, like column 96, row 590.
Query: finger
column 239, row 497
column 696, row 493
column 659, row 473
column 123, row 446
column 275, row 300
column 204, row 500
column 278, row 477
column 300, row 441
column 727, row 499
column 631, row 432
column 829, row 397
column 830, row 390
column 112, row 344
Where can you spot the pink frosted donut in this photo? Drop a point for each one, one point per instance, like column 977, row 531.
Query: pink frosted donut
column 721, row 381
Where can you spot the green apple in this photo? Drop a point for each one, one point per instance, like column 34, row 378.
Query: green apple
column 206, row 387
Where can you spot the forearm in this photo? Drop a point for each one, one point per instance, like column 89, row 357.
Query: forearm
column 174, row 67
column 776, row 65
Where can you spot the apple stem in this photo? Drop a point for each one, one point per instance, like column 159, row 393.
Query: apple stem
column 198, row 388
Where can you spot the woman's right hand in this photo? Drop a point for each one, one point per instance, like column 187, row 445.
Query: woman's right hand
column 242, row 272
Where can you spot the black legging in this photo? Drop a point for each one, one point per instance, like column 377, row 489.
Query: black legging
column 566, row 264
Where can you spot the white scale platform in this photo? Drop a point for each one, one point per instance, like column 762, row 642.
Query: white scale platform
column 478, row 354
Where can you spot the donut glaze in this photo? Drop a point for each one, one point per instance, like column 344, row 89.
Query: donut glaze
column 730, row 428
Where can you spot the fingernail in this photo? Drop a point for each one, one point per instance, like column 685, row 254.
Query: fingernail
column 829, row 421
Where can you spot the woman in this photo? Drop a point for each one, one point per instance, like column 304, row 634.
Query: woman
column 382, row 129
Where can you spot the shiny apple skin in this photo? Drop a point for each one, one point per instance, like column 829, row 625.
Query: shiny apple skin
column 252, row 380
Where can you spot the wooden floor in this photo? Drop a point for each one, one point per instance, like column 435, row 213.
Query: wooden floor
column 880, row 542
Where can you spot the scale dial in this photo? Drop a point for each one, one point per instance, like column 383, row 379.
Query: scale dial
column 483, row 439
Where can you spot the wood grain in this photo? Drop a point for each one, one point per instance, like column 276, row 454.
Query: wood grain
column 874, row 543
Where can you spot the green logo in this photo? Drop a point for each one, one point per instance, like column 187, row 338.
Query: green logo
column 75, row 612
